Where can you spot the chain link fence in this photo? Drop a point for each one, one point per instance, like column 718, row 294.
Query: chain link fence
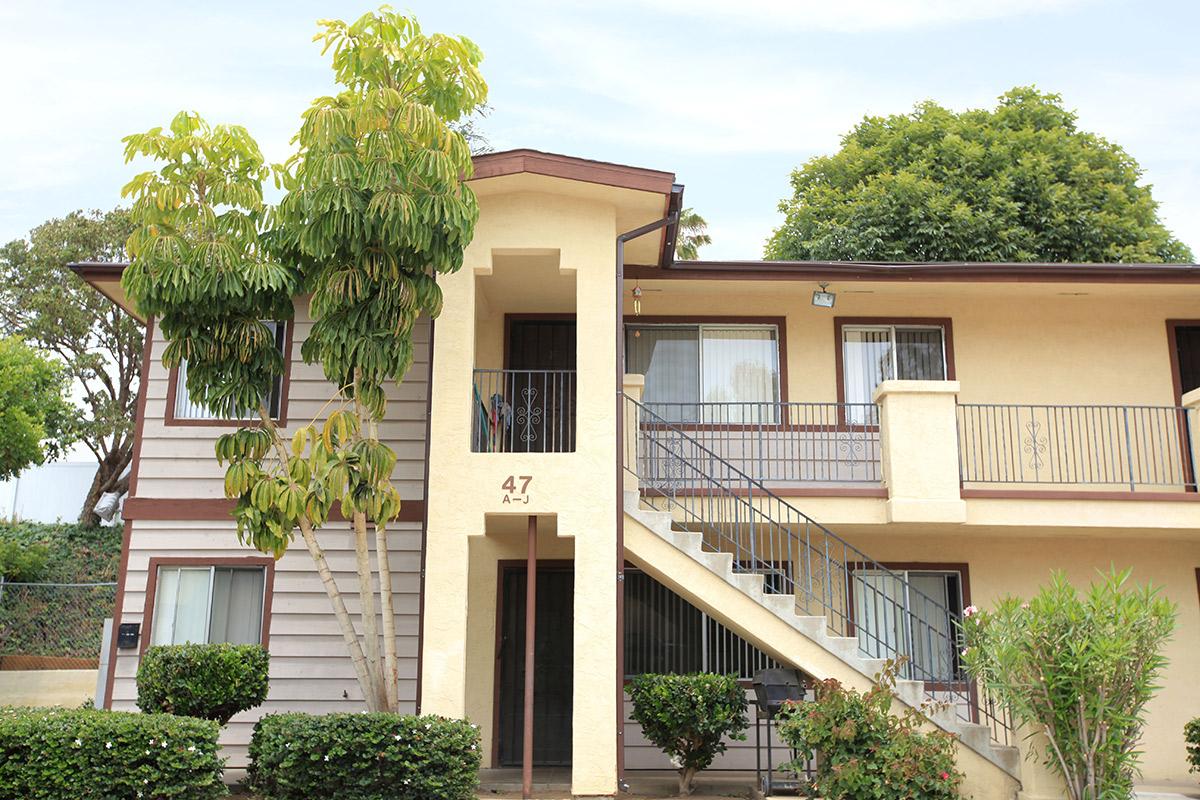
column 53, row 625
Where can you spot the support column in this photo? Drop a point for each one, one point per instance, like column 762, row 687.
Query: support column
column 918, row 436
column 530, row 650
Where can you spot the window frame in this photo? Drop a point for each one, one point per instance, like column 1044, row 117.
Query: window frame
column 699, row 322
column 841, row 323
column 964, row 584
column 267, row 564
column 285, row 380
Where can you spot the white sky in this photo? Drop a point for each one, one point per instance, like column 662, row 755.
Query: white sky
column 728, row 95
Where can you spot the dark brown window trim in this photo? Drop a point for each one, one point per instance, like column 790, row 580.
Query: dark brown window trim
column 267, row 563
column 220, row 508
column 839, row 323
column 780, row 324
column 964, row 573
column 170, row 419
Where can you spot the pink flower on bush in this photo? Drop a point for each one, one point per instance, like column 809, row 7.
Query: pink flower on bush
column 945, row 776
column 969, row 611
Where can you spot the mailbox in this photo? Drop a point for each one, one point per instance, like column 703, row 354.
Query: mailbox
column 127, row 635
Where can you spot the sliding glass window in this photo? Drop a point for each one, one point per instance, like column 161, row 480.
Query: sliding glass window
column 872, row 354
column 709, row 373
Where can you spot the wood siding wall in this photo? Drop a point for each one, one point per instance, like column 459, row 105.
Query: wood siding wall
column 309, row 668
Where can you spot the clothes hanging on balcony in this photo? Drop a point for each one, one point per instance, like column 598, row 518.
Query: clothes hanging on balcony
column 500, row 420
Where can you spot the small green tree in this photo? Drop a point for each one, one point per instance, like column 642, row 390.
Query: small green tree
column 693, row 234
column 35, row 414
column 1079, row 670
column 99, row 345
column 689, row 716
column 1018, row 183
column 376, row 205
column 210, row 681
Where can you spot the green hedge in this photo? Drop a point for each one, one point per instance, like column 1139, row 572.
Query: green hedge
column 86, row 754
column 1191, row 736
column 210, row 681
column 363, row 757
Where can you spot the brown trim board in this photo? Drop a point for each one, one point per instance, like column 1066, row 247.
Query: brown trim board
column 555, row 165
column 127, row 533
column 169, row 418
column 1068, row 494
column 266, row 562
column 221, row 508
column 905, row 272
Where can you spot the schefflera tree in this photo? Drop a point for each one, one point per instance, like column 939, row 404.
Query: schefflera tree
column 375, row 207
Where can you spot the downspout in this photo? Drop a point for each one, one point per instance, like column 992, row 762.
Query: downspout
column 667, row 255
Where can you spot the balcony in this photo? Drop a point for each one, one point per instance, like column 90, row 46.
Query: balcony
column 523, row 411
column 1132, row 448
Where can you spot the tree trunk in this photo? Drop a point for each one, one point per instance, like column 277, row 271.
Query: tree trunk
column 108, row 478
column 366, row 597
column 686, row 776
column 391, row 666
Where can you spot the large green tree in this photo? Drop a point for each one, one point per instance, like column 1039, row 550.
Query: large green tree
column 35, row 414
column 1019, row 182
column 99, row 345
column 376, row 205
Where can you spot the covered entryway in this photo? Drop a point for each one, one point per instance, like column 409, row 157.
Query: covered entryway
column 553, row 648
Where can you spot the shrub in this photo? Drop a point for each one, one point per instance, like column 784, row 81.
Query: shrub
column 375, row 756
column 1191, row 735
column 1079, row 669
column 689, row 716
column 22, row 561
column 210, row 681
column 863, row 751
column 55, row 754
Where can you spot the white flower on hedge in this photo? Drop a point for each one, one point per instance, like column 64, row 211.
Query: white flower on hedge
column 108, row 746
column 326, row 758
column 396, row 737
column 191, row 748
column 78, row 742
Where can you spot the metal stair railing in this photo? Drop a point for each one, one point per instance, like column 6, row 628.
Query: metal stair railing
column 858, row 597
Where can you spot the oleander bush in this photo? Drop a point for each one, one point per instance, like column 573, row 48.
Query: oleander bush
column 1079, row 667
column 81, row 754
column 865, row 752
column 210, row 681
column 1191, row 735
column 377, row 756
column 688, row 717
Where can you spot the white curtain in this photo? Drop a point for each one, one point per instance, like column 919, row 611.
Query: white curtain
column 670, row 360
column 741, row 365
column 181, row 605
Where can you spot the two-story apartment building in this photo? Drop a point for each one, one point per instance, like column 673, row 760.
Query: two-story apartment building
column 714, row 468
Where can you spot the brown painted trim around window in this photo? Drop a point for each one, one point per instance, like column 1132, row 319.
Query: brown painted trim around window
column 780, row 324
column 961, row 272
column 964, row 573
column 267, row 563
column 503, row 565
column 554, row 165
column 221, row 508
column 1067, row 494
column 127, row 533
column 170, row 419
column 839, row 323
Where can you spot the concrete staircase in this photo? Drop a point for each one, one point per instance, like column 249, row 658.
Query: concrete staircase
column 770, row 621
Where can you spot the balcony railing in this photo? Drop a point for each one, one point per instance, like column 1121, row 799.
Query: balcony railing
column 1131, row 447
column 783, row 443
column 523, row 411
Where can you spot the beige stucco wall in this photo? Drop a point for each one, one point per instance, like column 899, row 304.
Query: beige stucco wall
column 532, row 222
column 1013, row 343
column 1001, row 563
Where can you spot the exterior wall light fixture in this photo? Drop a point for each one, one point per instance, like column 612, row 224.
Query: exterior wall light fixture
column 822, row 298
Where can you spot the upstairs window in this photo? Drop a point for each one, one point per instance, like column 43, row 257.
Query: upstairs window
column 208, row 604
column 184, row 409
column 872, row 354
column 686, row 366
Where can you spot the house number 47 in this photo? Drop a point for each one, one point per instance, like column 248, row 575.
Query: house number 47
column 516, row 488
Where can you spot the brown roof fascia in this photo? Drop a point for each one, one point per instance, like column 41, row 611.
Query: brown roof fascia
column 930, row 271
column 555, row 165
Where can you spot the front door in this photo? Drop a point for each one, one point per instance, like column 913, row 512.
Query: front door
column 541, row 360
column 552, row 660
